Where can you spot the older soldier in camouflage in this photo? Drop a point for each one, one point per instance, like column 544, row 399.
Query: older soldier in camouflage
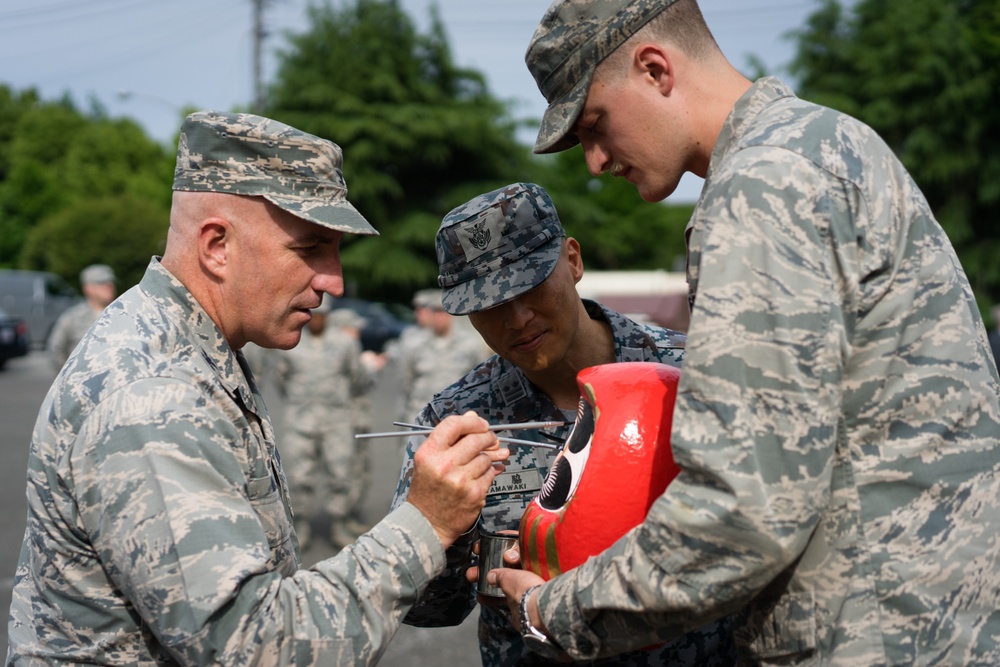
column 838, row 421
column 505, row 262
column 159, row 529
column 321, row 380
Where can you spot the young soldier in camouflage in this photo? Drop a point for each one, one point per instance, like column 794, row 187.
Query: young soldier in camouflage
column 159, row 530
column 505, row 262
column 838, row 421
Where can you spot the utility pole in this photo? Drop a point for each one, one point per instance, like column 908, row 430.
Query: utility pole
column 258, row 48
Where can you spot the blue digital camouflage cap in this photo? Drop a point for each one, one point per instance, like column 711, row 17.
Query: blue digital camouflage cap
column 573, row 38
column 243, row 154
column 497, row 247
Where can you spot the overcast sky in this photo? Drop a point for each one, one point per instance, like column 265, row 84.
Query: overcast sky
column 148, row 59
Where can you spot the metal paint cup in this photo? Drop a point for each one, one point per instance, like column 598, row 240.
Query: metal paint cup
column 491, row 548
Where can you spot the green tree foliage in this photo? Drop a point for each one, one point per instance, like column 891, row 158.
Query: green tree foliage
column 924, row 74
column 12, row 106
column 122, row 230
column 31, row 187
column 55, row 162
column 419, row 134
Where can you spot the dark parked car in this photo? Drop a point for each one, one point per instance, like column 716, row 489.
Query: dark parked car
column 381, row 325
column 38, row 297
column 13, row 337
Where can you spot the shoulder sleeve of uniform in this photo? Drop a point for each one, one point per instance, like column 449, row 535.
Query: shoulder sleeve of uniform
column 644, row 342
column 466, row 393
column 469, row 393
column 172, row 496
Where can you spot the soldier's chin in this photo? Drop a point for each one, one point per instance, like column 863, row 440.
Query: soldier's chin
column 653, row 192
column 287, row 341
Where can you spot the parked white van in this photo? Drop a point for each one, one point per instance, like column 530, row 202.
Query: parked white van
column 37, row 296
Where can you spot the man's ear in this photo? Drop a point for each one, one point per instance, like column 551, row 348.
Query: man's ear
column 215, row 236
column 575, row 259
column 654, row 62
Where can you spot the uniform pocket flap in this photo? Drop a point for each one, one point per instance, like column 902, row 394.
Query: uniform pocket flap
column 782, row 627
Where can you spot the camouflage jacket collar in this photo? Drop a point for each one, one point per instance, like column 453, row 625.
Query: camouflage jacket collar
column 171, row 294
column 762, row 93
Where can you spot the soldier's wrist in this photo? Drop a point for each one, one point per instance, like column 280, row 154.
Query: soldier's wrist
column 469, row 537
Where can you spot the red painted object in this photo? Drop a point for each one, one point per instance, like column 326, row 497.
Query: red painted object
column 615, row 463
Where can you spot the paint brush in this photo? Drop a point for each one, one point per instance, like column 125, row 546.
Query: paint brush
column 424, row 430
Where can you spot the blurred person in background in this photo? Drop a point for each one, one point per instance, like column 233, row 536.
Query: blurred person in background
column 433, row 355
column 352, row 323
column 97, row 282
column 159, row 527
column 321, row 380
column 519, row 292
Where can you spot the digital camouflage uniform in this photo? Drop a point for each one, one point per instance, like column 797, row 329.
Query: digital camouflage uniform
column 837, row 424
column 159, row 530
column 320, row 380
column 500, row 393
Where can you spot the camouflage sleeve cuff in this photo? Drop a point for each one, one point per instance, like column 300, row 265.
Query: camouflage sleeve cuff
column 407, row 533
column 563, row 620
column 469, row 537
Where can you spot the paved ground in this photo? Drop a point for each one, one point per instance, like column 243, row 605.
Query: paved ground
column 23, row 383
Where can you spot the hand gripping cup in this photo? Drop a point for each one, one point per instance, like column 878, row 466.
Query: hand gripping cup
column 491, row 548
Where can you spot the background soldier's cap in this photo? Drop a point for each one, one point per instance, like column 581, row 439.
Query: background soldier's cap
column 428, row 298
column 573, row 38
column 345, row 317
column 243, row 154
column 497, row 247
column 96, row 274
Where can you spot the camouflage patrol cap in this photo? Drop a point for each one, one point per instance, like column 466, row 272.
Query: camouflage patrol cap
column 345, row 317
column 428, row 298
column 97, row 274
column 243, row 154
column 497, row 247
column 573, row 38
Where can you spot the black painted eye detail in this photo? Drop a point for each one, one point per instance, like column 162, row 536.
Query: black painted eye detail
column 583, row 429
column 555, row 490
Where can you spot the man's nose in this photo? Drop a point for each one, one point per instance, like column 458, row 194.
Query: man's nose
column 597, row 158
column 330, row 279
column 518, row 314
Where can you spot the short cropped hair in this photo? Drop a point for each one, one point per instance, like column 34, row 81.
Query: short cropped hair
column 681, row 25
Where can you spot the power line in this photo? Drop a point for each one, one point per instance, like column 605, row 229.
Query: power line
column 258, row 46
column 150, row 39
column 63, row 13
